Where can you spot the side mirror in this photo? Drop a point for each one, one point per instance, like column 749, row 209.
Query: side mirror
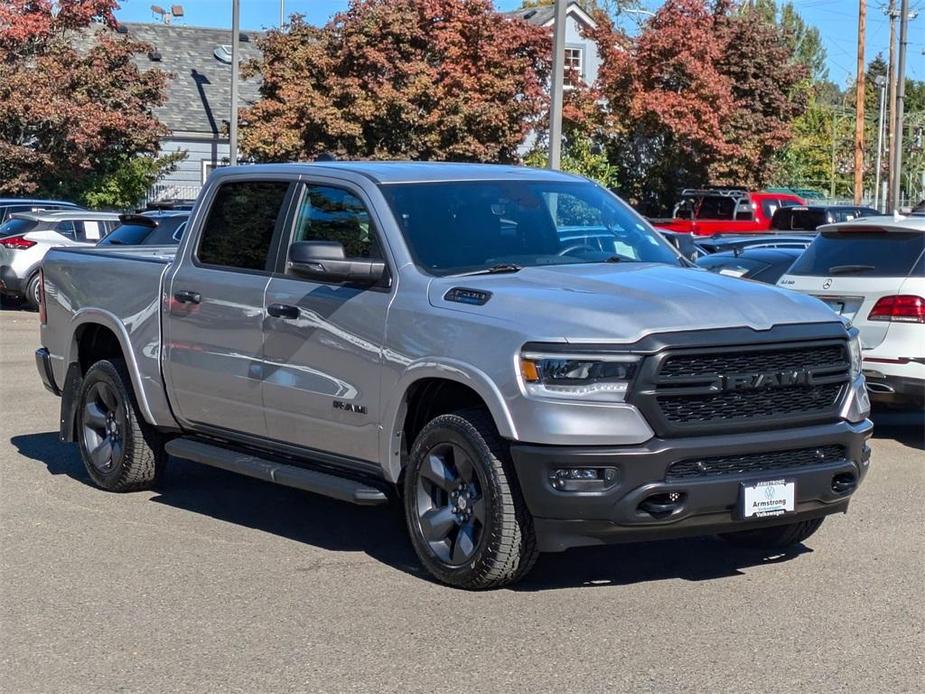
column 325, row 261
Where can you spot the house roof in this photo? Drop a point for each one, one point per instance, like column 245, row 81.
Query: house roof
column 545, row 15
column 199, row 92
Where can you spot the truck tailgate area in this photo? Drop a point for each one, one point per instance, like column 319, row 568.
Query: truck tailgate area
column 119, row 290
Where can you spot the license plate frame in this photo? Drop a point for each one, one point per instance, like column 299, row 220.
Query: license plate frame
column 767, row 498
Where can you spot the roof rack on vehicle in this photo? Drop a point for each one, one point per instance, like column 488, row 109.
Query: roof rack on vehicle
column 719, row 190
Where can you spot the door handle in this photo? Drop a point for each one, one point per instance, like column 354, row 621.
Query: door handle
column 283, row 311
column 185, row 296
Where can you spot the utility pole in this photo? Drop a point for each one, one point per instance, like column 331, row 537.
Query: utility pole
column 558, row 79
column 859, row 108
column 881, row 84
column 282, row 13
column 235, row 36
column 900, row 98
column 892, row 13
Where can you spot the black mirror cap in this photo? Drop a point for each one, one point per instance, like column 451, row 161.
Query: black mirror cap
column 324, row 261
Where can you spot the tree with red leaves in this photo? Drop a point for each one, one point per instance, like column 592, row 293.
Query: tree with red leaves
column 75, row 110
column 417, row 79
column 704, row 95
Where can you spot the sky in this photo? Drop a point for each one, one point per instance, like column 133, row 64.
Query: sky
column 836, row 20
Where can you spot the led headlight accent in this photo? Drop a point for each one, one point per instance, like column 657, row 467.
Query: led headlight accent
column 854, row 352
column 593, row 378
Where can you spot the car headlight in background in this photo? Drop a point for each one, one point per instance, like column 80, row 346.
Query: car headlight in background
column 854, row 352
column 578, row 377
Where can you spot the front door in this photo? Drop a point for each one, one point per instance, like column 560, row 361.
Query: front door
column 322, row 360
column 213, row 329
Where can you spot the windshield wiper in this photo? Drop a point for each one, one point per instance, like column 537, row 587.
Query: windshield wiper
column 494, row 269
column 620, row 259
column 849, row 269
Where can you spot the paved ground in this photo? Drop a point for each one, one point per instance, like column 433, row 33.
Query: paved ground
column 217, row 583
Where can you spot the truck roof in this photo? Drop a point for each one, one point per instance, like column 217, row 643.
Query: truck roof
column 386, row 172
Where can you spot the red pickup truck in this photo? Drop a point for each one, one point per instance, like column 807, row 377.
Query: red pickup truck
column 725, row 211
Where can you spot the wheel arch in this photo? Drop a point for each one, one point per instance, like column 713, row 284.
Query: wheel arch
column 426, row 391
column 98, row 334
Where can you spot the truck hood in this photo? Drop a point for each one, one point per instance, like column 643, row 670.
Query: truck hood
column 623, row 303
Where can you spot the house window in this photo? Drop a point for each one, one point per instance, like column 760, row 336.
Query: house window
column 573, row 60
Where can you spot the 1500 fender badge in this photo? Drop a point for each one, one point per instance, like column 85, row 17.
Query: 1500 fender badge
column 349, row 407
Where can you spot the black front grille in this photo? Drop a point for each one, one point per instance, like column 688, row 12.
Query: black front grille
column 687, row 365
column 754, row 462
column 748, row 405
column 701, row 391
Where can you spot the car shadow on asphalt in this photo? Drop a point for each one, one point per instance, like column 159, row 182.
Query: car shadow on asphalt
column 380, row 532
column 905, row 425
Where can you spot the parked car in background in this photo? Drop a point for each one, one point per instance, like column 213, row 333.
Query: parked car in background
column 9, row 206
column 176, row 204
column 731, row 242
column 872, row 271
column 725, row 210
column 148, row 229
column 809, row 218
column 469, row 334
column 26, row 237
column 761, row 264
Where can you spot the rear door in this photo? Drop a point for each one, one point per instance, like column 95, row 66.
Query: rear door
column 852, row 270
column 213, row 326
column 322, row 376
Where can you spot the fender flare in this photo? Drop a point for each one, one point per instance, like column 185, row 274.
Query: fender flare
column 98, row 316
column 393, row 413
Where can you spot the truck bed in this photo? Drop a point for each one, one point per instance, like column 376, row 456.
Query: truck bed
column 120, row 288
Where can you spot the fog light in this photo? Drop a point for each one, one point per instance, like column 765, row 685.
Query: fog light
column 583, row 478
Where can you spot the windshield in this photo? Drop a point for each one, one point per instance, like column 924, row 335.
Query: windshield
column 859, row 253
column 17, row 226
column 471, row 226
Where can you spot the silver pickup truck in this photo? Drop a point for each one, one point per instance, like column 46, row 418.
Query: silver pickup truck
column 514, row 354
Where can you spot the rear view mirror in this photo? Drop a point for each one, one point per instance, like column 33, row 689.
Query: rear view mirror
column 325, row 261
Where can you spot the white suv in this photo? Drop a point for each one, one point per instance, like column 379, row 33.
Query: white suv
column 871, row 271
column 26, row 237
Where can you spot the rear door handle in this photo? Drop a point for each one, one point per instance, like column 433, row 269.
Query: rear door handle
column 283, row 311
column 185, row 296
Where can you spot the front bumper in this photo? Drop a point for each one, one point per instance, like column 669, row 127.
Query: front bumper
column 706, row 505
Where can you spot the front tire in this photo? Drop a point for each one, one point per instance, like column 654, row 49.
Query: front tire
column 775, row 537
column 122, row 452
column 31, row 294
column 466, row 517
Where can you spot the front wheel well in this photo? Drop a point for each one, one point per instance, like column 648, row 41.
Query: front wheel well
column 432, row 397
column 96, row 342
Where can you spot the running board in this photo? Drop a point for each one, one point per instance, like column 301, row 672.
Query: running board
column 271, row 471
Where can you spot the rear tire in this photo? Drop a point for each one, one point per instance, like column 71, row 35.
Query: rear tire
column 31, row 295
column 122, row 452
column 775, row 537
column 460, row 485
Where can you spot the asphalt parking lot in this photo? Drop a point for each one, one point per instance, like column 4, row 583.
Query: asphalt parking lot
column 220, row 583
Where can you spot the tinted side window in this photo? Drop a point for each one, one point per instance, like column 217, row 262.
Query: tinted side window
column 67, row 229
column 334, row 214
column 239, row 228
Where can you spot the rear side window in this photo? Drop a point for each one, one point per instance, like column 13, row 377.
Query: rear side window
column 66, row 228
column 239, row 228
column 861, row 254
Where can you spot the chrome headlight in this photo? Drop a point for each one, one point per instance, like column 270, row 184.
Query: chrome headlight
column 578, row 377
column 854, row 353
